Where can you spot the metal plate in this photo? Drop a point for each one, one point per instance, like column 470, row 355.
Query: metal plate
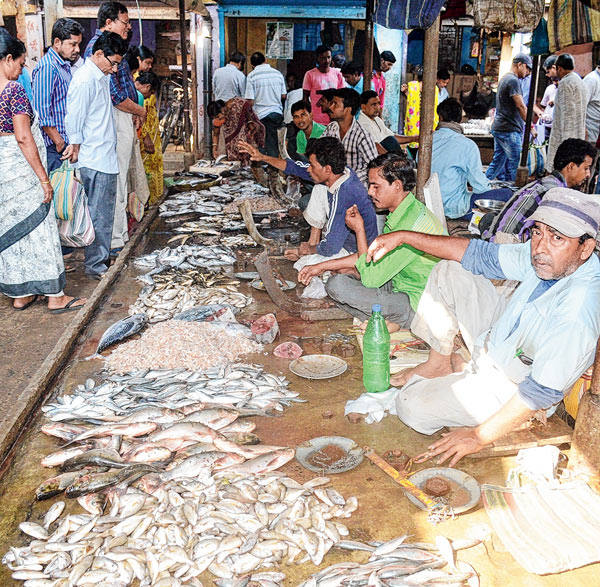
column 260, row 286
column 318, row 366
column 247, row 275
column 307, row 450
column 490, row 205
column 464, row 480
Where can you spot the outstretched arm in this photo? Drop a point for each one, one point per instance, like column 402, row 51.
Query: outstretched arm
column 444, row 247
column 256, row 155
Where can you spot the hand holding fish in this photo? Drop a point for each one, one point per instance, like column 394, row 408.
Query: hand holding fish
column 255, row 154
column 455, row 444
column 383, row 244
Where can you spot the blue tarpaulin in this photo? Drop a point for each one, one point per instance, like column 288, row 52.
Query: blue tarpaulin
column 406, row 14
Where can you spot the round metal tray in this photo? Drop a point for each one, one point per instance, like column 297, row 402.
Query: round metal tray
column 318, row 366
column 490, row 205
column 307, row 450
column 464, row 480
column 260, row 286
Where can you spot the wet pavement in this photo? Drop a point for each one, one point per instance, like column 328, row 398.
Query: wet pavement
column 384, row 512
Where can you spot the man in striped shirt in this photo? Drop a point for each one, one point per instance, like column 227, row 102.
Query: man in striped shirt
column 359, row 145
column 397, row 281
column 50, row 83
column 265, row 87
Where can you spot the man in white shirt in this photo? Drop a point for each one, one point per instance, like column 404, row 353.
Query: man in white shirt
column 93, row 142
column 229, row 81
column 370, row 119
column 547, row 115
column 592, row 117
column 265, row 87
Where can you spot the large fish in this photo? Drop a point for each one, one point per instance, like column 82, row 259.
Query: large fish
column 265, row 463
column 134, row 429
column 99, row 457
column 120, row 331
column 56, row 485
column 95, row 482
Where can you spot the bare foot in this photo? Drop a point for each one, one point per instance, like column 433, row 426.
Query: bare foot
column 56, row 303
column 391, row 326
column 429, row 370
column 291, row 254
column 457, row 362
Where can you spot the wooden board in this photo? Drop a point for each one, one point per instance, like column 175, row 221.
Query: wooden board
column 554, row 432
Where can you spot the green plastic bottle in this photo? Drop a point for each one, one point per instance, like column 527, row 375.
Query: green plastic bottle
column 376, row 353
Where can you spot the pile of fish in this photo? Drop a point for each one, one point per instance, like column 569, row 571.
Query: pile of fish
column 187, row 344
column 167, row 534
column 185, row 277
column 164, row 304
column 212, row 225
column 258, row 203
column 171, row 393
column 399, row 563
column 189, row 202
column 187, row 257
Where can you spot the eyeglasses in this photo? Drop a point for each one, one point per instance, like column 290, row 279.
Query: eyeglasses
column 125, row 22
column 113, row 64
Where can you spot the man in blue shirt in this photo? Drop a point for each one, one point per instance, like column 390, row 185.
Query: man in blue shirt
column 113, row 17
column 50, row 83
column 327, row 166
column 526, row 351
column 93, row 142
column 456, row 160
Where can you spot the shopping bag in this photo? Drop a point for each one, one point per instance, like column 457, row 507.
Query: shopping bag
column 65, row 186
column 536, row 160
column 79, row 231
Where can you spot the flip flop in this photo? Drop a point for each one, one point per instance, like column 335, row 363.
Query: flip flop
column 35, row 299
column 68, row 307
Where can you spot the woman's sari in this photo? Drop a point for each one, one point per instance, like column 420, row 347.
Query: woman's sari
column 31, row 259
column 241, row 124
column 153, row 162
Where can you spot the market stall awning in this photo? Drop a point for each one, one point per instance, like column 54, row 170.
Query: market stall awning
column 407, row 14
column 323, row 9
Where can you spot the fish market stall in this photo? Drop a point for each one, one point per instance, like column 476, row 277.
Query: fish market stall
column 166, row 452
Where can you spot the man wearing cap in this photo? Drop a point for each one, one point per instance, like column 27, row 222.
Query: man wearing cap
column 508, row 125
column 526, row 351
column 569, row 107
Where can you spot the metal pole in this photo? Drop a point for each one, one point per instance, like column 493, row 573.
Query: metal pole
column 184, row 78
column 368, row 66
column 522, row 171
column 430, row 60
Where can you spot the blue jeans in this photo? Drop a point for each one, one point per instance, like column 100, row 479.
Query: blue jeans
column 101, row 191
column 507, row 152
column 272, row 122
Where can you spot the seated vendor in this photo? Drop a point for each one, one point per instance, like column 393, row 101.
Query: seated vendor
column 307, row 128
column 527, row 351
column 456, row 160
column 396, row 282
column 572, row 165
column 370, row 119
column 327, row 166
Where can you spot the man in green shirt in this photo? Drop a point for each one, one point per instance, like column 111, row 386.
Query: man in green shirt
column 307, row 128
column 396, row 281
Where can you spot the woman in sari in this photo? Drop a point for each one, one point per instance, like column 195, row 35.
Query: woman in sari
column 236, row 120
column 31, row 263
column 147, row 84
column 412, row 122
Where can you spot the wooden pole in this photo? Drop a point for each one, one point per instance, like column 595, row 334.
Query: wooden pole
column 522, row 172
column 368, row 66
column 198, row 37
column 430, row 60
column 184, row 78
column 584, row 457
column 53, row 10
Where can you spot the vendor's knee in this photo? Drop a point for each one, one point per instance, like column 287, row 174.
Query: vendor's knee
column 336, row 285
column 410, row 410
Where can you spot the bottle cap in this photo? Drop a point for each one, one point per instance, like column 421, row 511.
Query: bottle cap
column 376, row 308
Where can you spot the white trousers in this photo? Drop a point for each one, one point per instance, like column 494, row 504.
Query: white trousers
column 455, row 300
column 125, row 136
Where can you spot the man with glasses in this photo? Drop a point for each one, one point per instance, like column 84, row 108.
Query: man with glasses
column 508, row 125
column 93, row 142
column 113, row 17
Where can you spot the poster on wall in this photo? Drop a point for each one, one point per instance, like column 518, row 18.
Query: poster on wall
column 35, row 39
column 280, row 40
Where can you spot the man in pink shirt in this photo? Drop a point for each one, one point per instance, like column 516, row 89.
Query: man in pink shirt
column 321, row 77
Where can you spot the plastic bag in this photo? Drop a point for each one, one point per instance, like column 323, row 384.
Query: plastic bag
column 315, row 289
column 79, row 231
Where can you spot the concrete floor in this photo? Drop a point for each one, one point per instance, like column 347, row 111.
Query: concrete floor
column 384, row 511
